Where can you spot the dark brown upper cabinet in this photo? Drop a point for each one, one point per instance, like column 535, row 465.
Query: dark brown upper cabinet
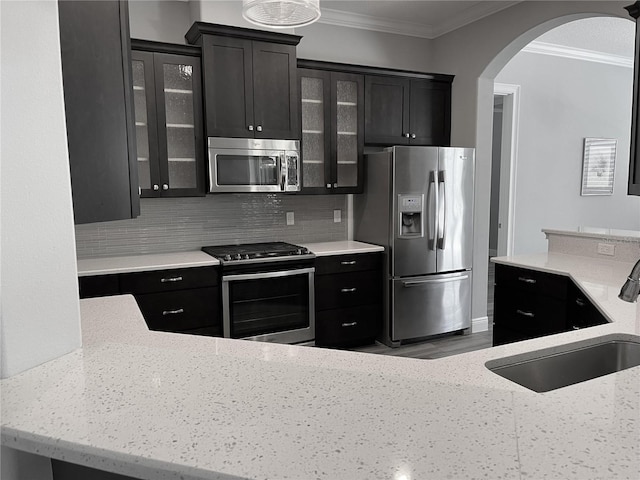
column 332, row 118
column 98, row 98
column 634, row 157
column 408, row 109
column 250, row 81
column 167, row 88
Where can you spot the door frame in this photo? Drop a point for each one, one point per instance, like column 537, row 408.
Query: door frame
column 508, row 165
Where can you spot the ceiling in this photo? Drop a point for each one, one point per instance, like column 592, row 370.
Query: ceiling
column 427, row 19
column 430, row 19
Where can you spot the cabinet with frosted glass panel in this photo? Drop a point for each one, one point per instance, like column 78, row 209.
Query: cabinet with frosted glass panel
column 168, row 111
column 332, row 113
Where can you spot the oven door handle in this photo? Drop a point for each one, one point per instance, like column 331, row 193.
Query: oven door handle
column 262, row 275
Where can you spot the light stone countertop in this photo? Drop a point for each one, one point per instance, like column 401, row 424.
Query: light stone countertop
column 139, row 263
column 342, row 248
column 164, row 261
column 158, row 405
column 599, row 233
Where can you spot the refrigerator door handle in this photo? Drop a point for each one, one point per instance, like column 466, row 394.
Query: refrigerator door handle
column 442, row 211
column 416, row 283
column 432, row 213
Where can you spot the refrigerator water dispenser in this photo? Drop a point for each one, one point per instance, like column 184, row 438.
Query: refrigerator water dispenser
column 410, row 216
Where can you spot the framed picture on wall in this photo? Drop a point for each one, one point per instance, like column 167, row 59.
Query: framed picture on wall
column 598, row 166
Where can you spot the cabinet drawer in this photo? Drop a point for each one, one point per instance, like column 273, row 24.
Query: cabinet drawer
column 348, row 326
column 532, row 281
column 99, row 286
column 348, row 263
column 347, row 289
column 503, row 335
column 180, row 310
column 530, row 314
column 165, row 280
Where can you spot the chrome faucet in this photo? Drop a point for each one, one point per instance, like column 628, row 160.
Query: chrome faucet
column 631, row 288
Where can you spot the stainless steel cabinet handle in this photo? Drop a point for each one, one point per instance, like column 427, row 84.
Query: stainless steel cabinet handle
column 527, row 280
column 413, row 135
column 525, row 314
column 351, row 324
column 156, row 187
column 328, row 185
column 259, row 128
column 348, row 290
column 171, row 279
column 575, row 328
column 406, row 135
column 350, row 262
column 580, row 302
column 165, row 186
column 335, row 185
column 173, row 312
column 250, row 127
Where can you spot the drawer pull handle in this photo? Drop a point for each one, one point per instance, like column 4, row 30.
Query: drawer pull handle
column 352, row 262
column 575, row 328
column 173, row 312
column 351, row 324
column 527, row 280
column 348, row 290
column 580, row 302
column 525, row 314
column 171, row 279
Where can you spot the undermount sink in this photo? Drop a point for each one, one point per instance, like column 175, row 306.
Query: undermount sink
column 557, row 367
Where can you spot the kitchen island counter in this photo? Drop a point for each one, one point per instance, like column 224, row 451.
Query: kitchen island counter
column 158, row 405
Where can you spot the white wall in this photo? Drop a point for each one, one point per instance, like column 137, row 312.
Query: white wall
column 40, row 310
column 475, row 54
column 562, row 102
column 160, row 21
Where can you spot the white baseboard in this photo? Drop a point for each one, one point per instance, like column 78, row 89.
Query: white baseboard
column 479, row 324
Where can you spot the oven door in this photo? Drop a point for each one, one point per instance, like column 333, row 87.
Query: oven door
column 236, row 170
column 273, row 306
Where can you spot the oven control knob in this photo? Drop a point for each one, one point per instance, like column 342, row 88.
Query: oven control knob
column 238, row 256
column 302, row 251
column 246, row 257
column 227, row 258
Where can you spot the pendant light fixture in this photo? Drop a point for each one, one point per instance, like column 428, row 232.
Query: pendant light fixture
column 281, row 13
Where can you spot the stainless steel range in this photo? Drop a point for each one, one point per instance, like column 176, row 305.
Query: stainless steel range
column 267, row 291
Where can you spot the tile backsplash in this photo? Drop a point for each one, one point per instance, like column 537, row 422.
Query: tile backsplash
column 182, row 224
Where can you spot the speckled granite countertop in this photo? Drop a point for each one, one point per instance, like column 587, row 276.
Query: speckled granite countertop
column 165, row 406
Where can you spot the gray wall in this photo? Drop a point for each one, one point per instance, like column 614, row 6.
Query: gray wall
column 562, row 102
column 182, row 224
column 160, row 21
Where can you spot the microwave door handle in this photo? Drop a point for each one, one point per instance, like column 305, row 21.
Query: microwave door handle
column 283, row 171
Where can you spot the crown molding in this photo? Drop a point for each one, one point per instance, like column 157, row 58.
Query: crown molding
column 411, row 29
column 543, row 48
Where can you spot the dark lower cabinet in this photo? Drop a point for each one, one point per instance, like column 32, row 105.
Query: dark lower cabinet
column 98, row 98
column 529, row 304
column 185, row 300
column 70, row 471
column 348, row 292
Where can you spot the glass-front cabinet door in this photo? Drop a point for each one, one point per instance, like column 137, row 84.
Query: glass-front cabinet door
column 169, row 124
column 332, row 116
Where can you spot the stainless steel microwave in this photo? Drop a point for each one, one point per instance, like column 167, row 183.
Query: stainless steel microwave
column 253, row 165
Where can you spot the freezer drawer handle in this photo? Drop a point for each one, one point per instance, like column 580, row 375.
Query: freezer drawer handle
column 348, row 290
column 351, row 324
column 525, row 314
column 173, row 312
column 527, row 280
column 415, row 283
column 171, row 279
column 352, row 262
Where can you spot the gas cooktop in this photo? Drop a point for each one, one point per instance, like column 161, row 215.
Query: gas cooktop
column 257, row 252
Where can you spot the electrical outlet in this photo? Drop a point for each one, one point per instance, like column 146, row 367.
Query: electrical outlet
column 337, row 216
column 607, row 249
column 290, row 219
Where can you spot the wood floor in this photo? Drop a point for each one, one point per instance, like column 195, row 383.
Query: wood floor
column 443, row 345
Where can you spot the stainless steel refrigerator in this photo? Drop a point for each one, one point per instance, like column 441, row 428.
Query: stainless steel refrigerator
column 418, row 204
